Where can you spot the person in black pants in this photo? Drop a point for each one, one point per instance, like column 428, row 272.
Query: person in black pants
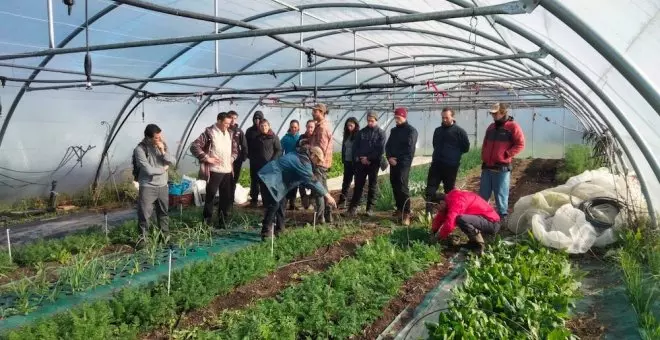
column 450, row 142
column 400, row 150
column 268, row 149
column 368, row 151
column 216, row 149
column 252, row 136
column 303, row 141
column 351, row 128
column 239, row 136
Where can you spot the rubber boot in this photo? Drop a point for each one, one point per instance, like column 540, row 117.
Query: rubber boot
column 342, row 200
column 477, row 244
column 292, row 204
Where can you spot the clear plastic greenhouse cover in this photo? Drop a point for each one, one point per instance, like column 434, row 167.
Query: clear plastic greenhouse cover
column 55, row 129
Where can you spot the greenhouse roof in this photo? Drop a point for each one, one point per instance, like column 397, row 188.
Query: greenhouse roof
column 79, row 77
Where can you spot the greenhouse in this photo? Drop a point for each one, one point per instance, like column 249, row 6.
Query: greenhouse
column 346, row 169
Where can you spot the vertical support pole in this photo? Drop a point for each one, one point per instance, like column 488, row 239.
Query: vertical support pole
column 169, row 271
column 272, row 240
column 414, row 79
column 300, row 75
column 51, row 29
column 476, row 126
column 217, row 42
column 9, row 246
column 105, row 228
column 354, row 57
column 563, row 134
column 533, row 121
column 433, row 68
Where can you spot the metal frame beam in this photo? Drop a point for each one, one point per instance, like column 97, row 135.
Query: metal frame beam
column 622, row 63
column 514, row 7
column 425, row 62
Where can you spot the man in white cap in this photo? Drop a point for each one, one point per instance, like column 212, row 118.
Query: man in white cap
column 400, row 150
column 322, row 138
column 504, row 140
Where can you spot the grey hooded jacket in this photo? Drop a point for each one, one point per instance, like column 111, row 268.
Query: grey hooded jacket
column 152, row 165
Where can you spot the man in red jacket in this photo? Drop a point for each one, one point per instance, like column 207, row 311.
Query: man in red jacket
column 470, row 212
column 504, row 140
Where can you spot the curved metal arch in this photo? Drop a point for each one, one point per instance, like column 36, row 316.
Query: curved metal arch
column 641, row 144
column 203, row 105
column 81, row 28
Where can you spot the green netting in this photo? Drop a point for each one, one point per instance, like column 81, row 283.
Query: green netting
column 230, row 241
column 605, row 299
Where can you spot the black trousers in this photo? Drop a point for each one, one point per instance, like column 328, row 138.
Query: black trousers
column 399, row 175
column 349, row 173
column 474, row 224
column 440, row 173
column 254, row 183
column 274, row 212
column 291, row 195
column 221, row 184
column 362, row 172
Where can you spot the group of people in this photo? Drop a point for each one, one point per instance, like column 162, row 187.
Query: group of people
column 282, row 169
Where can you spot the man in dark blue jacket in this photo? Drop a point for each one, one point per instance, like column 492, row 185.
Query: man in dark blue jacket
column 278, row 177
column 367, row 153
column 400, row 150
column 450, row 142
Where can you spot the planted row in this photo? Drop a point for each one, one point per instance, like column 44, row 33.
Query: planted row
column 639, row 260
column 334, row 304
column 136, row 309
column 519, row 291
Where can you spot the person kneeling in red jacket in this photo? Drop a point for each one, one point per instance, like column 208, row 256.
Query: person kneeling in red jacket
column 470, row 212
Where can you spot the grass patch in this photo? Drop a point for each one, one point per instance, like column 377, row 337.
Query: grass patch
column 578, row 159
column 639, row 259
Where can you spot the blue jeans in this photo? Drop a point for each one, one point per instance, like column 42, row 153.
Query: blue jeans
column 497, row 182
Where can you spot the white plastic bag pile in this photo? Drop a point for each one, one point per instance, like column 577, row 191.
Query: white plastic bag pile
column 241, row 194
column 556, row 221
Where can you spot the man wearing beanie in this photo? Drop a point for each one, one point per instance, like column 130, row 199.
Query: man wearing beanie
column 368, row 150
column 252, row 136
column 400, row 150
column 322, row 138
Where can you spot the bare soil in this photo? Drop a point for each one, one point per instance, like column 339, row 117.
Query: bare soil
column 586, row 326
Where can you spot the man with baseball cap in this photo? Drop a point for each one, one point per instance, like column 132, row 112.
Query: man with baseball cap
column 400, row 150
column 368, row 151
column 504, row 140
column 322, row 138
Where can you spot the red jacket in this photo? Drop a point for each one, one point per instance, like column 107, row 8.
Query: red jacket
column 461, row 202
column 502, row 143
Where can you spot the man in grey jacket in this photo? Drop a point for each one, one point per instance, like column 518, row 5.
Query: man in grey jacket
column 152, row 161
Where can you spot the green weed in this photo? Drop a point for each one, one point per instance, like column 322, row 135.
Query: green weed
column 578, row 159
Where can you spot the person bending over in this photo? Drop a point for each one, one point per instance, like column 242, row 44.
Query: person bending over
column 470, row 212
column 282, row 175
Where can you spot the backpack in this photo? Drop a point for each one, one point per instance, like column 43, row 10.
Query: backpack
column 136, row 167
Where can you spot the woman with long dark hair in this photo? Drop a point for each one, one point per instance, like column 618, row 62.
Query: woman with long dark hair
column 351, row 128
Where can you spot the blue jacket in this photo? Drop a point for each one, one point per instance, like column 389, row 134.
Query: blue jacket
column 370, row 143
column 289, row 142
column 449, row 144
column 288, row 172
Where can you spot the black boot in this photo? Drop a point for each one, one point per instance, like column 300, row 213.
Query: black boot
column 292, row 204
column 342, row 200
